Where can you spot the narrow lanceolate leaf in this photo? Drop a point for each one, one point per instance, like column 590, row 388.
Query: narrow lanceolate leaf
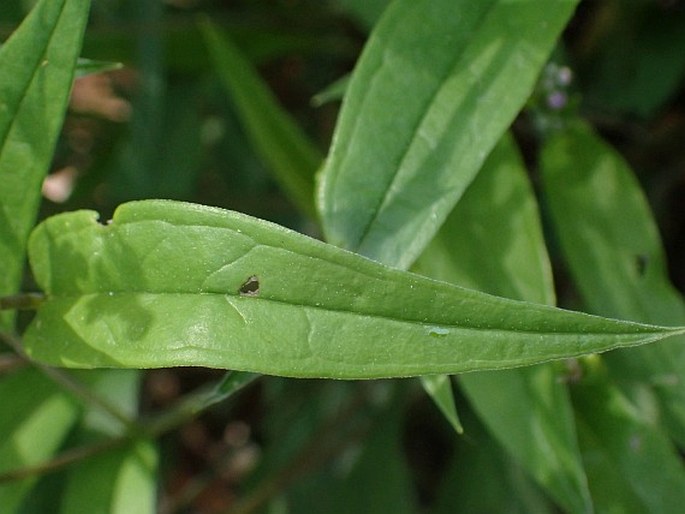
column 614, row 252
column 439, row 388
column 37, row 64
column 493, row 241
column 167, row 283
column 276, row 137
column 437, row 85
column 609, row 236
column 86, row 67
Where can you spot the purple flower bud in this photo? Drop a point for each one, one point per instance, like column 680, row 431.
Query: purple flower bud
column 557, row 100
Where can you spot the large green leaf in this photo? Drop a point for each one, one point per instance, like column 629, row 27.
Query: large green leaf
column 167, row 283
column 437, row 85
column 37, row 64
column 492, row 241
column 277, row 139
column 614, row 252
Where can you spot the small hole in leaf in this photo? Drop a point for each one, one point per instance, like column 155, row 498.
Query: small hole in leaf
column 250, row 287
column 641, row 262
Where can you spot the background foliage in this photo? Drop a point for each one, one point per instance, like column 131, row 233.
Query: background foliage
column 234, row 104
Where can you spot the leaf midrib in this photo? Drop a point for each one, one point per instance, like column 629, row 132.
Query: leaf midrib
column 426, row 112
column 656, row 330
column 38, row 63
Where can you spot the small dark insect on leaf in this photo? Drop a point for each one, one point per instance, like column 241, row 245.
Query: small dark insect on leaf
column 641, row 262
column 250, row 287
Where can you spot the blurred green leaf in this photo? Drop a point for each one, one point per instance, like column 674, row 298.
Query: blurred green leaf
column 529, row 413
column 436, row 86
column 366, row 12
column 296, row 411
column 492, row 241
column 185, row 48
column 606, row 229
column 632, row 465
column 634, row 60
column 307, row 424
column 121, row 481
column 11, row 10
column 614, row 252
column 140, row 171
column 38, row 63
column 367, row 470
column 119, row 389
column 380, row 480
column 35, row 417
column 141, row 167
column 167, row 283
column 277, row 139
column 483, row 478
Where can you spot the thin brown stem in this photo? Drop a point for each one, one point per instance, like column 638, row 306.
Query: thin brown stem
column 62, row 460
column 23, row 301
column 10, row 362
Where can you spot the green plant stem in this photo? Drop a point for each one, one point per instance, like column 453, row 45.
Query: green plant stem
column 22, row 301
column 193, row 403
